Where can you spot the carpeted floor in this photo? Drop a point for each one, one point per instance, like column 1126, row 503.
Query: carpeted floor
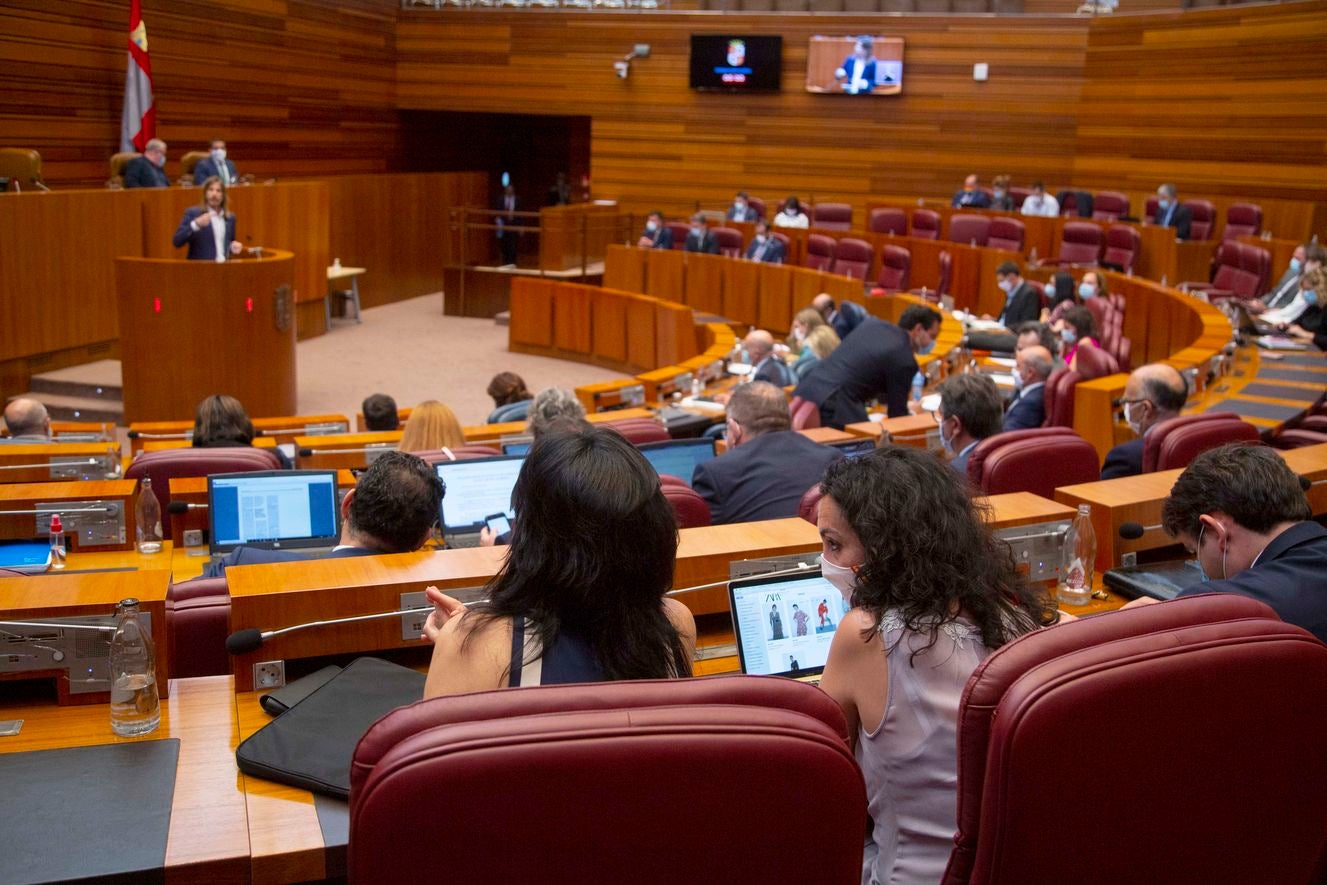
column 412, row 352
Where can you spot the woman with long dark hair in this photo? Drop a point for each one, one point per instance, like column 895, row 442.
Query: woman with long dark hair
column 932, row 594
column 220, row 422
column 581, row 594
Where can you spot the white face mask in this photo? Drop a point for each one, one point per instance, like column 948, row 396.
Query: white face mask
column 760, row 238
column 844, row 578
column 947, row 442
column 1006, row 286
column 1135, row 424
column 651, row 226
column 219, row 154
column 1018, row 380
column 799, row 334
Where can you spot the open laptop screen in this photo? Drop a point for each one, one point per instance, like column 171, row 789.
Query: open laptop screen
column 274, row 509
column 784, row 625
column 678, row 457
column 476, row 488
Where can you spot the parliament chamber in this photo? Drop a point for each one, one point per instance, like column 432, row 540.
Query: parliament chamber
column 380, row 136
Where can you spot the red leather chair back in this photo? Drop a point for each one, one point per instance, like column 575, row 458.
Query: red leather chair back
column 809, row 507
column 1059, row 398
column 730, row 241
column 1204, row 216
column 1122, row 244
column 1095, row 362
column 832, row 216
column 1110, row 205
column 1256, row 263
column 1150, row 209
column 680, row 231
column 460, row 453
column 1068, row 203
column 1101, row 311
column 805, row 414
column 1006, row 233
column 1173, row 443
column 888, row 220
column 1037, row 460
column 640, row 430
column 925, row 224
column 852, row 258
column 1081, row 243
column 1242, row 219
column 786, row 241
column 1019, row 194
column 688, row 506
column 615, row 760
column 167, row 464
column 1242, row 269
column 946, row 260
column 1124, row 354
column 1298, row 438
column 819, row 252
column 895, row 263
column 1164, row 674
column 969, row 229
column 197, row 624
column 758, row 204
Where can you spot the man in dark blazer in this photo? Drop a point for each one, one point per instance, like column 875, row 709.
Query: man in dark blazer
column 857, row 74
column 764, row 247
column 149, row 169
column 1022, row 302
column 701, row 238
column 392, row 509
column 1153, row 393
column 215, row 163
column 657, row 234
column 741, row 209
column 1032, row 366
column 1172, row 213
column 766, row 364
column 971, row 195
column 768, row 466
column 877, row 361
column 208, row 229
column 843, row 317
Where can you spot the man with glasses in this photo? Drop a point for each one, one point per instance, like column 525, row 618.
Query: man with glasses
column 1153, row 394
column 970, row 410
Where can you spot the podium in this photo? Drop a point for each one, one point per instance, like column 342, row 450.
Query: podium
column 189, row 329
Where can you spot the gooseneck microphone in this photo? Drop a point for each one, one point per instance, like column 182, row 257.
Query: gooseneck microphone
column 242, row 642
column 1132, row 531
column 183, row 507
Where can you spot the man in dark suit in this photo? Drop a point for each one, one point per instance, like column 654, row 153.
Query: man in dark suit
column 148, row 170
column 508, row 240
column 657, row 235
column 766, row 364
column 1022, row 304
column 844, row 317
column 741, row 209
column 1172, row 213
column 1152, row 394
column 768, row 466
column 858, row 71
column 1032, row 366
column 392, row 509
column 208, row 229
column 1241, row 510
column 701, row 238
column 970, row 410
column 971, row 196
column 876, row 361
column 764, row 247
column 215, row 163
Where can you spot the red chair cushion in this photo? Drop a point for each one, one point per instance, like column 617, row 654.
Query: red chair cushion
column 688, row 506
column 167, row 464
column 1173, row 443
column 1040, row 461
column 197, row 624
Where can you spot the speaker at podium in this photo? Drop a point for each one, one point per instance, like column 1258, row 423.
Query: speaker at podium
column 189, row 329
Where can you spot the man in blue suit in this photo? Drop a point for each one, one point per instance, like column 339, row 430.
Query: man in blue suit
column 392, row 509
column 1172, row 213
column 764, row 247
column 657, row 235
column 215, row 163
column 701, row 238
column 1153, row 393
column 766, row 365
column 768, row 466
column 844, row 317
column 970, row 410
column 1032, row 366
column 149, row 169
column 209, row 229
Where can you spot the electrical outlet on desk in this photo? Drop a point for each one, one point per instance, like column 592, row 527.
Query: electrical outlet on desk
column 268, row 675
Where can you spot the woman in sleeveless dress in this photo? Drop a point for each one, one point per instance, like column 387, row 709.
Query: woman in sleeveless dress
column 933, row 594
column 580, row 596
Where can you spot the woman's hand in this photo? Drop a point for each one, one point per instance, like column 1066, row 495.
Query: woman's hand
column 444, row 609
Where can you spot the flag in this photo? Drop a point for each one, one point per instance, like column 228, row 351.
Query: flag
column 139, row 122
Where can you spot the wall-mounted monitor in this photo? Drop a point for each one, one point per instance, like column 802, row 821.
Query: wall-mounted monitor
column 862, row 65
column 736, row 63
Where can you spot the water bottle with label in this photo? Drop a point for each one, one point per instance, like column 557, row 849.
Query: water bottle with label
column 135, row 706
column 147, row 516
column 1077, row 558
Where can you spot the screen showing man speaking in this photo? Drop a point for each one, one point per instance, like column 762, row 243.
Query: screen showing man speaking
column 864, row 65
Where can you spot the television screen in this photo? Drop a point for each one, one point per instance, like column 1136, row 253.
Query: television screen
column 855, row 65
column 735, row 63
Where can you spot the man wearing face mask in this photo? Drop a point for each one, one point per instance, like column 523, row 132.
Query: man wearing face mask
column 970, row 410
column 1242, row 511
column 701, row 238
column 971, row 196
column 215, row 163
column 149, row 169
column 765, row 248
column 1032, row 366
column 1172, row 213
column 741, row 209
column 657, row 234
column 1000, row 197
column 765, row 364
column 768, row 466
column 878, row 360
column 1152, row 394
column 1307, row 300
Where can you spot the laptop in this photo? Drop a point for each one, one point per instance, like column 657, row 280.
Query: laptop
column 678, row 457
column 476, row 489
column 855, row 448
column 516, row 448
column 1159, row 580
column 783, row 625
column 273, row 510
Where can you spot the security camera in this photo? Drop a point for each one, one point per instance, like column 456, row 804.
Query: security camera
column 621, row 68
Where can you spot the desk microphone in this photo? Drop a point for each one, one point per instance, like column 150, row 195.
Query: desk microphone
column 800, row 569
column 1132, row 531
column 183, row 507
column 357, row 450
column 138, row 434
column 242, row 642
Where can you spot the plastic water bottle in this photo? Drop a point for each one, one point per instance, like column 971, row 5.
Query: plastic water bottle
column 57, row 542
column 147, row 513
column 1077, row 558
column 135, row 706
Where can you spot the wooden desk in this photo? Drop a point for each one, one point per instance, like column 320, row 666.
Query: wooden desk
column 342, row 451
column 278, row 428
column 26, row 496
column 493, row 433
column 907, row 430
column 44, row 462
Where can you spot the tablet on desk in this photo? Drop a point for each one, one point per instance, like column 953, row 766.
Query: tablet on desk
column 29, row 557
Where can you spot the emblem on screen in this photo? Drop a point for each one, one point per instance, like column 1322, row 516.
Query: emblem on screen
column 281, row 303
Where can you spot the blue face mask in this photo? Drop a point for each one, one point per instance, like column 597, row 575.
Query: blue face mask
column 1068, row 336
column 1163, row 205
column 927, row 348
column 1086, row 291
column 1296, row 265
column 1310, row 297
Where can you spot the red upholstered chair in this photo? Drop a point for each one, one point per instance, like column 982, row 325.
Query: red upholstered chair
column 819, row 252
column 852, row 258
column 787, row 244
column 167, row 464
column 640, row 430
column 460, row 453
column 1059, row 398
column 1169, row 671
column 1110, row 205
column 1241, row 274
column 615, row 761
column 1173, row 443
column 1006, row 233
column 1204, row 217
column 680, row 231
column 805, row 414
column 925, row 224
column 832, row 216
column 1297, row 438
column 895, row 262
column 1080, row 243
column 1242, row 219
column 1095, row 362
column 1151, row 206
column 1314, row 422
column 758, row 204
column 1068, row 201
column 1123, row 353
column 809, row 507
column 1019, row 194
column 969, row 229
column 688, row 506
column 1122, row 245
column 730, row 241
column 1102, row 312
column 888, row 221
column 1039, row 460
column 197, row 624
